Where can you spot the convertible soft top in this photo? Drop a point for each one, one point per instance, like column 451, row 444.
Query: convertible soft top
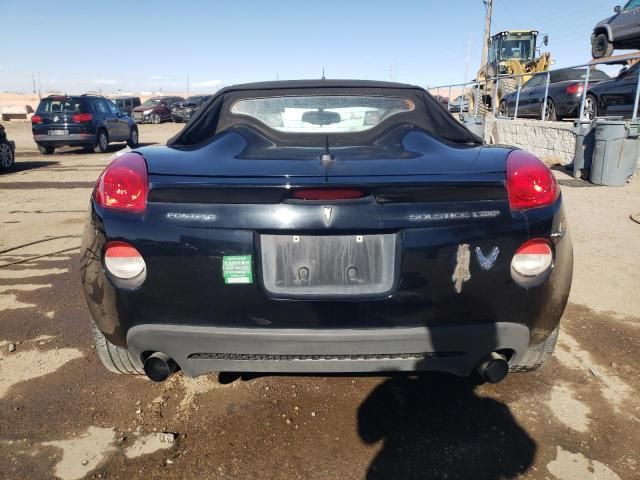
column 216, row 115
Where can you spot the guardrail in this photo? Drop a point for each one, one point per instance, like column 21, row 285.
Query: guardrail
column 475, row 85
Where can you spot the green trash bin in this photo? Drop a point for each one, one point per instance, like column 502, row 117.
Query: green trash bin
column 583, row 155
column 615, row 151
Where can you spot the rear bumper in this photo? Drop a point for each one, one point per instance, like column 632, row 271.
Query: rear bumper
column 453, row 349
column 72, row 139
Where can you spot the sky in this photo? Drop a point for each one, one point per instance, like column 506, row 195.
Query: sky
column 133, row 46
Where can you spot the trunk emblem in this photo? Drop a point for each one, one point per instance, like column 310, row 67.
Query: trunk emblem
column 55, row 119
column 327, row 212
column 487, row 262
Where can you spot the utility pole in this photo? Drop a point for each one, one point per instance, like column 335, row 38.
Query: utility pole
column 466, row 66
column 33, row 77
column 487, row 31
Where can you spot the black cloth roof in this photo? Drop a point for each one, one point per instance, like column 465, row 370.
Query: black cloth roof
column 214, row 115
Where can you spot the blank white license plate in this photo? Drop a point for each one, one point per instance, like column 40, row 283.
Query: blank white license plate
column 58, row 132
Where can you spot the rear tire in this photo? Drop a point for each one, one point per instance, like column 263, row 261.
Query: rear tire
column 115, row 359
column 7, row 156
column 482, row 107
column 601, row 46
column 103, row 142
column 590, row 107
column 506, row 86
column 503, row 110
column 537, row 355
column 551, row 114
column 133, row 138
column 46, row 150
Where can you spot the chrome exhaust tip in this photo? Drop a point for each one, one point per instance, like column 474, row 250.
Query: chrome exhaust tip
column 159, row 366
column 494, row 368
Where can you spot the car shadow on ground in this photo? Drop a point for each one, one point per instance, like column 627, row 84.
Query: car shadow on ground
column 20, row 166
column 436, row 426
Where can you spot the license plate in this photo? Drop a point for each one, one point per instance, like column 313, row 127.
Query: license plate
column 328, row 265
column 58, row 132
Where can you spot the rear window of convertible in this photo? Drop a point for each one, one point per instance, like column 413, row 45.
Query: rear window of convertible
column 322, row 113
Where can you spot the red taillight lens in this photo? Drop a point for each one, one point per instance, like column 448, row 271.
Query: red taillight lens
column 36, row 119
column 575, row 89
column 124, row 184
column 530, row 183
column 327, row 193
column 532, row 258
column 82, row 117
column 123, row 260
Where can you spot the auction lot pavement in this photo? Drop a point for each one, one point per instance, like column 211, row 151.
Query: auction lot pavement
column 63, row 415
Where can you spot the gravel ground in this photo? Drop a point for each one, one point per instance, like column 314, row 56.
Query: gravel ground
column 63, row 415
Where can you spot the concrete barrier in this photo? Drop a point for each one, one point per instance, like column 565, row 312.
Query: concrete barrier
column 552, row 142
column 15, row 112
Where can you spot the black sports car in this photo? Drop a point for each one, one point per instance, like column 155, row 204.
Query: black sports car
column 563, row 98
column 182, row 111
column 615, row 97
column 326, row 226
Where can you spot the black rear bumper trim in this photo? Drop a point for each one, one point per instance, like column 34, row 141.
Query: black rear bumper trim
column 453, row 349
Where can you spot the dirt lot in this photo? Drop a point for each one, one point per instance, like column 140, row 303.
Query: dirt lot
column 63, row 415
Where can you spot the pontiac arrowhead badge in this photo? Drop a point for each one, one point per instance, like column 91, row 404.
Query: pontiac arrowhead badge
column 327, row 212
column 487, row 262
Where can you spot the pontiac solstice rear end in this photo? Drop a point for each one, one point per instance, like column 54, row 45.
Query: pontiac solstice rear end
column 326, row 226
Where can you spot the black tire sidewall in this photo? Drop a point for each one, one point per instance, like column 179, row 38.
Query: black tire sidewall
column 552, row 104
column 13, row 157
column 130, row 141
column 594, row 102
column 98, row 147
column 46, row 150
column 605, row 47
column 503, row 103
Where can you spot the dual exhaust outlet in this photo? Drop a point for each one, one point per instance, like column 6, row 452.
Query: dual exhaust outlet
column 493, row 369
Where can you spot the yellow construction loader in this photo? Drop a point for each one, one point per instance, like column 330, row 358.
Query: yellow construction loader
column 512, row 52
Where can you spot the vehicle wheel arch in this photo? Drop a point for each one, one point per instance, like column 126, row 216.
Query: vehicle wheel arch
column 606, row 29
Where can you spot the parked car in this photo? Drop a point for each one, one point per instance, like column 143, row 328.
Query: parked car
column 182, row 111
column 614, row 97
column 91, row 121
column 155, row 110
column 7, row 151
column 460, row 104
column 444, row 101
column 126, row 104
column 622, row 30
column 565, row 93
column 326, row 226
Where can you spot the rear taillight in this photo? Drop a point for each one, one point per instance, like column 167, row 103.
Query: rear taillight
column 327, row 193
column 530, row 183
column 82, row 117
column 36, row 119
column 575, row 89
column 124, row 184
column 123, row 261
column 533, row 258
